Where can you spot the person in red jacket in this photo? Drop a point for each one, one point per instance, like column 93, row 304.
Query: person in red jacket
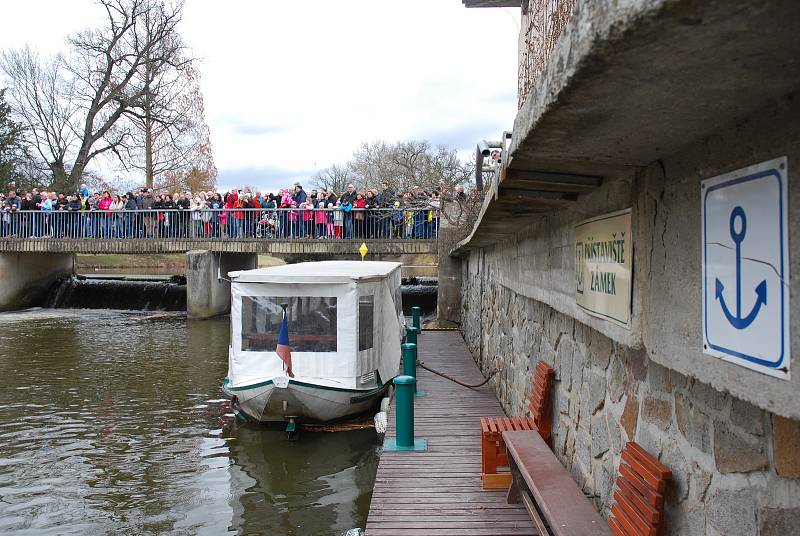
column 235, row 217
column 359, row 216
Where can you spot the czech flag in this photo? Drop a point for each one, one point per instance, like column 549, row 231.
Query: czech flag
column 283, row 350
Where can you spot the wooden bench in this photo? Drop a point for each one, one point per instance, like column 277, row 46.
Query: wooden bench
column 638, row 508
column 553, row 500
column 493, row 450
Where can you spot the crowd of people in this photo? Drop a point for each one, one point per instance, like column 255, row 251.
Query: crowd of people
column 291, row 213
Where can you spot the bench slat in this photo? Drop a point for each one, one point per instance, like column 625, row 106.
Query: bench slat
column 651, row 478
column 627, row 526
column 647, row 459
column 639, row 503
column 649, row 495
column 565, row 508
column 629, row 512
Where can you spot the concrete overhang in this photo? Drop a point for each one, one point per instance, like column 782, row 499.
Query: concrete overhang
column 627, row 86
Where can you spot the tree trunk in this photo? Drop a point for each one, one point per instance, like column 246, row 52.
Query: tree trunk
column 61, row 179
column 148, row 151
column 148, row 130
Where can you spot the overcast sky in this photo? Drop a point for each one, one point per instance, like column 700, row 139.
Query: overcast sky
column 293, row 87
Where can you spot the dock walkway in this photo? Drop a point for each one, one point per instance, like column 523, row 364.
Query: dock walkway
column 438, row 492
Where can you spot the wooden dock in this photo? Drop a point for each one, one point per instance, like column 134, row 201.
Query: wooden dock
column 438, row 492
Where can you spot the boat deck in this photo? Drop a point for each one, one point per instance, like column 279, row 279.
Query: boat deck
column 438, row 492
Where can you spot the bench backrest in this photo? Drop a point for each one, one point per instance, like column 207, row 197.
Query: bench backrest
column 540, row 405
column 638, row 507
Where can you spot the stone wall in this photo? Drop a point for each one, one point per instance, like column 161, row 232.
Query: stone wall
column 26, row 278
column 735, row 467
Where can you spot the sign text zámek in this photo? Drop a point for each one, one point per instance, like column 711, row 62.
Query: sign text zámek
column 603, row 257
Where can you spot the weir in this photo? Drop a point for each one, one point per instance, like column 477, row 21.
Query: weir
column 87, row 293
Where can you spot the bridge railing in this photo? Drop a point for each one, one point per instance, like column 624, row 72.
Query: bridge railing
column 405, row 223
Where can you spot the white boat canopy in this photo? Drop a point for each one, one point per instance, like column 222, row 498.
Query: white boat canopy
column 345, row 323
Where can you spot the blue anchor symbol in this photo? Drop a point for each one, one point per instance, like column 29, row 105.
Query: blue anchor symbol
column 738, row 321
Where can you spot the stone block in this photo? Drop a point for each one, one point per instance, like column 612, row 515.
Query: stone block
column 732, row 512
column 684, row 519
column 650, row 439
column 564, row 355
column 747, row 416
column 657, row 411
column 778, row 521
column 600, row 348
column 578, row 363
column 786, row 446
column 584, row 411
column 604, row 482
column 693, row 423
column 660, row 378
column 563, row 401
column 614, row 432
column 636, row 361
column 600, row 440
column 737, row 454
column 630, row 416
column 707, row 396
column 699, row 480
column 583, row 449
column 673, row 457
column 616, row 379
column 596, row 392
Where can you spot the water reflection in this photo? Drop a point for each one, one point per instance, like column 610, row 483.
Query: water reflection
column 110, row 423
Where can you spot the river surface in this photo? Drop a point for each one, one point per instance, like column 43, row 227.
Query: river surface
column 112, row 422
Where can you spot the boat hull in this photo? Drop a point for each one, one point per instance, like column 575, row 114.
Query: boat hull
column 305, row 402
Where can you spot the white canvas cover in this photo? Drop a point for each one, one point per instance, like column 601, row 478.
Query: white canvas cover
column 327, row 281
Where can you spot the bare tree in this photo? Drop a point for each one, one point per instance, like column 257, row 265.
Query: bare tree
column 407, row 164
column 335, row 178
column 76, row 106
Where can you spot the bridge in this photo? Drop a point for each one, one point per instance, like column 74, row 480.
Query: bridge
column 36, row 248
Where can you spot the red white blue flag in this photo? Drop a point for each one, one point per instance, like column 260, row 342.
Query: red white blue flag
column 283, row 350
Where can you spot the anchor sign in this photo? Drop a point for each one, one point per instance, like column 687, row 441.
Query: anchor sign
column 738, row 321
column 745, row 279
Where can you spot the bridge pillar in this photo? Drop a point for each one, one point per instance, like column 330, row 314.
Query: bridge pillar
column 448, row 299
column 25, row 278
column 208, row 291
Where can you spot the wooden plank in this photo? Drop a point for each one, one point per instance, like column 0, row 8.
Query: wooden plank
column 562, row 502
column 439, row 492
column 496, row 480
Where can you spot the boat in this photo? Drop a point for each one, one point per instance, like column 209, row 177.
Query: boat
column 313, row 342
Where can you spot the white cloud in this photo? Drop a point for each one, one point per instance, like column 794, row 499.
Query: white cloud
column 292, row 87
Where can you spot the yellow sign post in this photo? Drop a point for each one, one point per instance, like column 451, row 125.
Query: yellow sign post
column 363, row 250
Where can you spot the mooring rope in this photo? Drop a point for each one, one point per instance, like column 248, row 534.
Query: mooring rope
column 445, row 376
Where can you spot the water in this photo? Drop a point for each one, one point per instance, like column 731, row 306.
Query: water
column 112, row 422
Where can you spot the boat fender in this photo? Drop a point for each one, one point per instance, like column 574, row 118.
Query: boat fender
column 385, row 401
column 381, row 422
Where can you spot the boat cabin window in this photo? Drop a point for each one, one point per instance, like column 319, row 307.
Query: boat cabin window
column 311, row 322
column 366, row 308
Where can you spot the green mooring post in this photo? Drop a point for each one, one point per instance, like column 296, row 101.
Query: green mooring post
column 404, row 415
column 415, row 312
column 411, row 335
column 410, row 364
column 410, row 360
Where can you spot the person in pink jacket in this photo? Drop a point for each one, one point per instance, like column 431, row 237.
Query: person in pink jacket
column 104, row 205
